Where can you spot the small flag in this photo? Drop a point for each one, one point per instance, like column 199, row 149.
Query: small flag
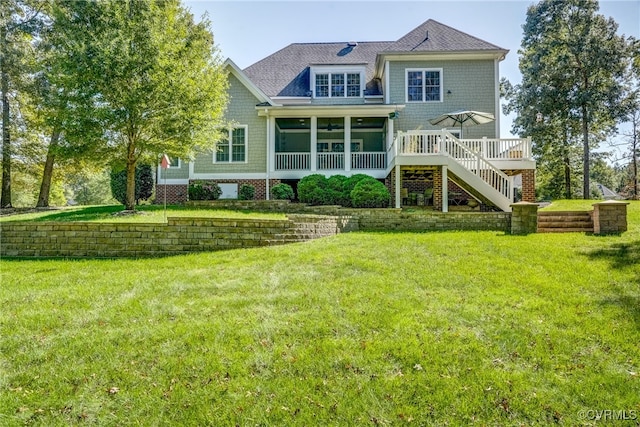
column 165, row 162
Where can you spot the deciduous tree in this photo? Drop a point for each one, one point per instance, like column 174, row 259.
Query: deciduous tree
column 574, row 67
column 154, row 74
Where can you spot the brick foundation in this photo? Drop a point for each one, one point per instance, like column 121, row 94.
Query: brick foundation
column 179, row 193
column 176, row 194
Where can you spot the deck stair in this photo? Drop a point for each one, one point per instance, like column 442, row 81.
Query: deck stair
column 565, row 222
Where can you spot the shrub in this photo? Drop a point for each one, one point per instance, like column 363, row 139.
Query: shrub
column 204, row 190
column 350, row 184
column 336, row 194
column 247, row 192
column 282, row 192
column 144, row 183
column 312, row 189
column 370, row 193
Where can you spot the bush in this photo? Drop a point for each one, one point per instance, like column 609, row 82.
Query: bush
column 312, row 189
column 144, row 184
column 336, row 194
column 282, row 192
column 247, row 192
column 349, row 185
column 204, row 190
column 370, row 193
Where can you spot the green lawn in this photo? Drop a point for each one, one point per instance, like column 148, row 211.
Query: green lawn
column 452, row 328
column 144, row 213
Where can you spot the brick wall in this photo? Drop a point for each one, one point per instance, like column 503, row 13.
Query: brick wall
column 529, row 185
column 176, row 194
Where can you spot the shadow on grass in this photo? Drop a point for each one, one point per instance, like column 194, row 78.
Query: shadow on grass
column 625, row 257
column 620, row 256
column 89, row 213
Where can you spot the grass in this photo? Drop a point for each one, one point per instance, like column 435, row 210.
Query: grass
column 441, row 328
column 146, row 213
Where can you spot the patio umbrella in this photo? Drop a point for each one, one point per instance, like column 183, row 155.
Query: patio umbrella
column 462, row 118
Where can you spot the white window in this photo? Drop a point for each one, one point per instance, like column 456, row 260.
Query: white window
column 424, row 85
column 174, row 162
column 331, row 82
column 233, row 148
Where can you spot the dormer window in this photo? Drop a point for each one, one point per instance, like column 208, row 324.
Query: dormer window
column 333, row 82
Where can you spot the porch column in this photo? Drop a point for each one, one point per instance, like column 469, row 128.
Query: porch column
column 398, row 183
column 445, row 189
column 314, row 143
column 347, row 143
column 271, row 143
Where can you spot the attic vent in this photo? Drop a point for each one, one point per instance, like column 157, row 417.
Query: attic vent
column 352, row 44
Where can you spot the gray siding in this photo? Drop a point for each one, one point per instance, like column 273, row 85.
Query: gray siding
column 241, row 110
column 472, row 85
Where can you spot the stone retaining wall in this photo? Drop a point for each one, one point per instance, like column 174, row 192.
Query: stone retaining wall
column 379, row 219
column 178, row 236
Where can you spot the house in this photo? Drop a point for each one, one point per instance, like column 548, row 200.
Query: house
column 365, row 107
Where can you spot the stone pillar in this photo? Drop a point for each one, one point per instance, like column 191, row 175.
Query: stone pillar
column 529, row 185
column 524, row 218
column 610, row 217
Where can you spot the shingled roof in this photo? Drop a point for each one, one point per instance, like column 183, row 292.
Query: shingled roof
column 286, row 72
column 432, row 36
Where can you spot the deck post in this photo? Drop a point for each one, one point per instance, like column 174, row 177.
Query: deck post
column 347, row 143
column 397, row 187
column 445, row 189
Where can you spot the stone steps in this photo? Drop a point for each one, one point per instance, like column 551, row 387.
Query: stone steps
column 565, row 222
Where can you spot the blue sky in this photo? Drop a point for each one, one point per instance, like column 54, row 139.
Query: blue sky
column 247, row 31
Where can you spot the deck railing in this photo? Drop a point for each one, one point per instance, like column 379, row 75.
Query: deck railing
column 443, row 143
column 500, row 149
column 429, row 142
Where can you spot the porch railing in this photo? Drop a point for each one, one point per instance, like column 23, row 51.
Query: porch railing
column 369, row 160
column 293, row 161
column 328, row 161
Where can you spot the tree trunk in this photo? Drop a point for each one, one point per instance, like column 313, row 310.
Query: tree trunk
column 567, row 167
column 130, row 202
column 635, row 167
column 47, row 175
column 5, row 197
column 586, row 193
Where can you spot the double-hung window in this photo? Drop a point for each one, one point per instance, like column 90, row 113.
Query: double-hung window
column 329, row 82
column 424, row 85
column 232, row 148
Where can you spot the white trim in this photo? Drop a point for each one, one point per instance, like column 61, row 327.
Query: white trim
column 423, row 71
column 184, row 181
column 360, row 110
column 497, row 97
column 255, row 90
column 445, row 189
column 230, row 145
column 175, row 167
column 232, row 175
column 387, row 94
